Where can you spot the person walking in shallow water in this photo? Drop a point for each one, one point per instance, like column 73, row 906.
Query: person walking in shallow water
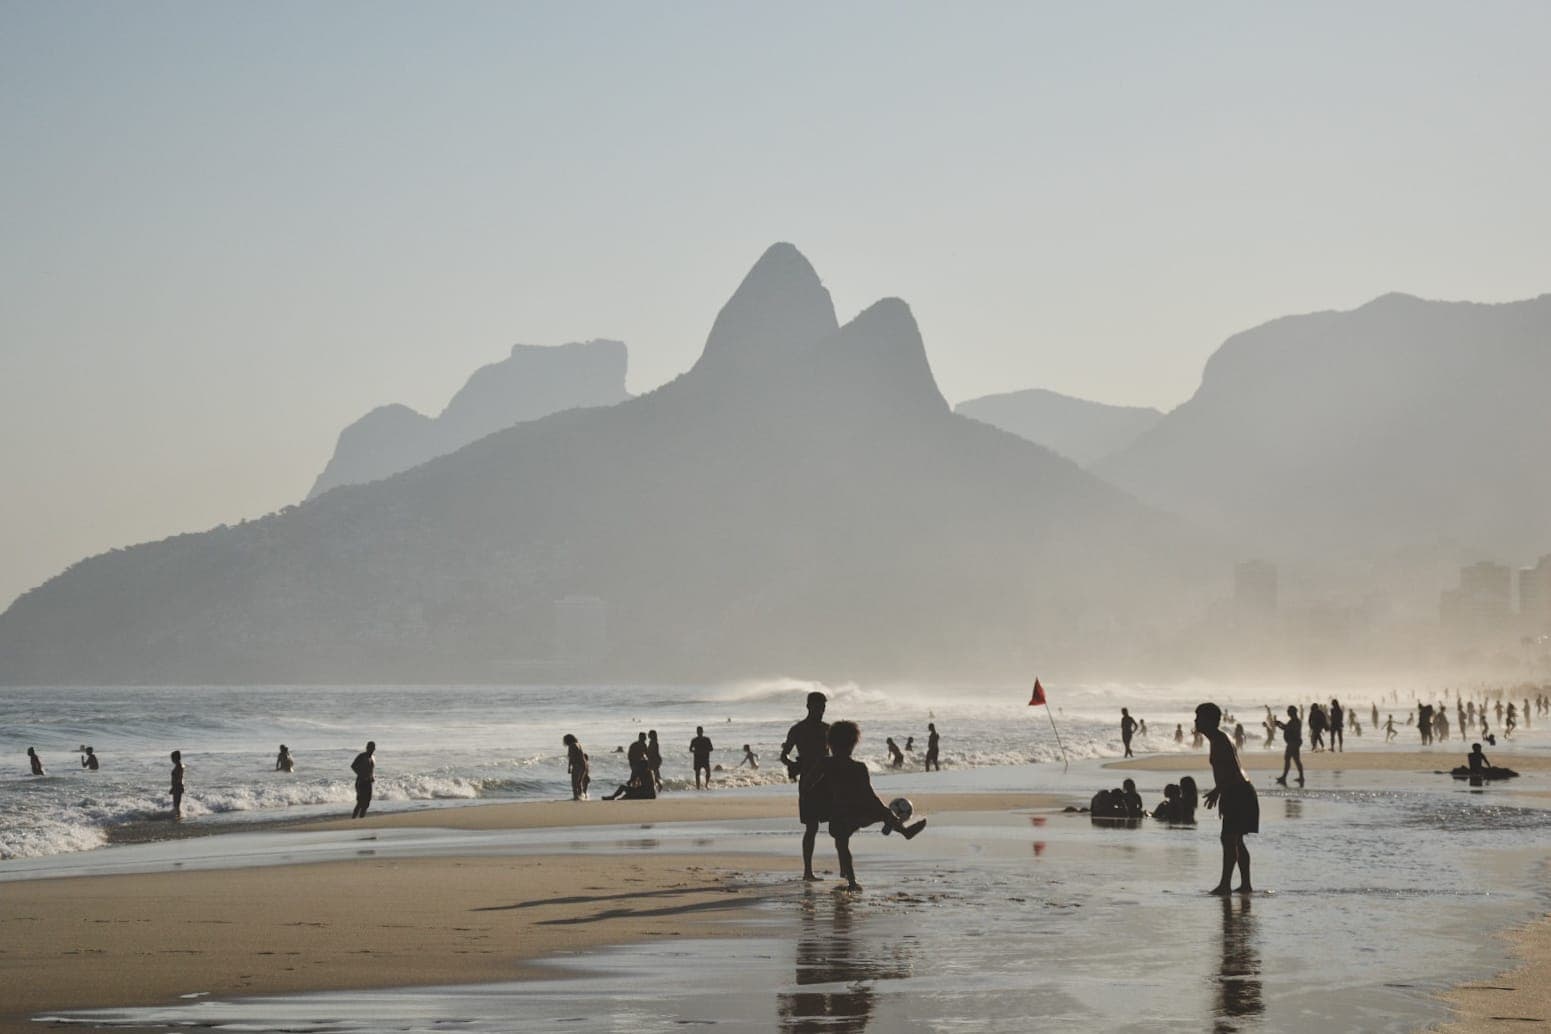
column 1337, row 726
column 1127, row 730
column 931, row 747
column 89, row 759
column 177, row 784
column 365, row 768
column 1292, row 735
column 283, row 760
column 1235, row 800
column 700, row 748
column 577, row 767
column 810, row 738
column 35, row 761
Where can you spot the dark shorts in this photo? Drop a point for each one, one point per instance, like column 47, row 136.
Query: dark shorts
column 704, row 763
column 813, row 799
column 1240, row 810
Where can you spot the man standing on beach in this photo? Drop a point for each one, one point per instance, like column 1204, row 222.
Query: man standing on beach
column 931, row 747
column 811, row 738
column 1240, row 808
column 1292, row 735
column 700, row 748
column 1127, row 730
column 365, row 769
column 177, row 784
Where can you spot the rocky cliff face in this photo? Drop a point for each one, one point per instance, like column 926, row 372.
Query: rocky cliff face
column 802, row 500
column 532, row 382
column 1404, row 422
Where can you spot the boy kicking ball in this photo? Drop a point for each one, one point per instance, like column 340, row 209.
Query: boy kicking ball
column 854, row 805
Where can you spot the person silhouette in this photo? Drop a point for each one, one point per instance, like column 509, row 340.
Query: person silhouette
column 1127, row 730
column 365, row 768
column 854, row 804
column 700, row 748
column 654, row 759
column 1234, row 797
column 576, row 766
column 35, row 761
column 896, row 759
column 810, row 738
column 1292, row 735
column 1189, row 798
column 749, row 757
column 89, row 759
column 284, row 761
column 932, row 741
column 1337, row 726
column 177, row 784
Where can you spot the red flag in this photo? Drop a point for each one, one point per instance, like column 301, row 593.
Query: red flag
column 1039, row 695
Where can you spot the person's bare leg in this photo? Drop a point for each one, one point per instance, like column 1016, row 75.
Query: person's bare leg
column 1244, row 887
column 810, row 834
column 847, row 872
column 1229, row 858
column 1299, row 759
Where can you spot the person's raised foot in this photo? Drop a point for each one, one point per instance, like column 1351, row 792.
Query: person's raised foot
column 911, row 830
column 1281, row 780
column 1300, row 780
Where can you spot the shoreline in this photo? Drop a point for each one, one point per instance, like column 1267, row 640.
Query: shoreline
column 154, row 938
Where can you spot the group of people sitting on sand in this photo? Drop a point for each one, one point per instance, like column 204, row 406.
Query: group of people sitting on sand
column 1124, row 802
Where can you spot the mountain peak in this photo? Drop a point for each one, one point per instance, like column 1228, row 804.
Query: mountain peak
column 781, row 307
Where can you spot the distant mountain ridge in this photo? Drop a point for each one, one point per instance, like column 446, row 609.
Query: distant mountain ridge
column 532, row 382
column 1078, row 429
column 803, row 499
column 1401, row 422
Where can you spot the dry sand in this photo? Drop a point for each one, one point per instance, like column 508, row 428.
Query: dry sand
column 1517, row 1000
column 146, row 939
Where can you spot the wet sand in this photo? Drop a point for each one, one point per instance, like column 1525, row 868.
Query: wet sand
column 152, row 938
column 1254, row 759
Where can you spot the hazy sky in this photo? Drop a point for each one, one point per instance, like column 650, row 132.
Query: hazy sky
column 227, row 230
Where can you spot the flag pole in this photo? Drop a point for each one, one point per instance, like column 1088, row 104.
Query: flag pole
column 1065, row 764
column 1038, row 700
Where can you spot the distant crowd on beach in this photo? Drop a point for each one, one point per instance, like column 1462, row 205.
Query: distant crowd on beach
column 644, row 756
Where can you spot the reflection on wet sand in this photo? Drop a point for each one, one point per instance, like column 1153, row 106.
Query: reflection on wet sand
column 829, row 953
column 1240, row 996
column 1294, row 806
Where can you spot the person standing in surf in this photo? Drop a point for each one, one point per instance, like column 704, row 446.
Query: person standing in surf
column 177, row 784
column 700, row 752
column 365, row 768
column 35, row 761
column 1234, row 798
column 932, row 744
column 1127, row 730
column 810, row 737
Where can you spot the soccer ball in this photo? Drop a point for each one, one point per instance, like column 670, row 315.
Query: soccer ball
column 902, row 809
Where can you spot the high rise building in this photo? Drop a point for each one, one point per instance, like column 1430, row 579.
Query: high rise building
column 1483, row 601
column 1535, row 595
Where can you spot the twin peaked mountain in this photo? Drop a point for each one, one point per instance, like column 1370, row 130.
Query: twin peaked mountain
column 802, row 500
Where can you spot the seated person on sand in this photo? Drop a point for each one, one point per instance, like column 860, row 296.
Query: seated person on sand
column 1131, row 800
column 853, row 804
column 1189, row 798
column 1477, row 759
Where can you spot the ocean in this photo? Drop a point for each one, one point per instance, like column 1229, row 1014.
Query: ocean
column 450, row 745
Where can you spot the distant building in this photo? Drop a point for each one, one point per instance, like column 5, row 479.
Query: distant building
column 1483, row 601
column 581, row 630
column 1535, row 595
column 1254, row 591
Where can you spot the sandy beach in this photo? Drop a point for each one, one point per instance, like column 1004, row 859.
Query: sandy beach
column 152, row 938
column 629, row 898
